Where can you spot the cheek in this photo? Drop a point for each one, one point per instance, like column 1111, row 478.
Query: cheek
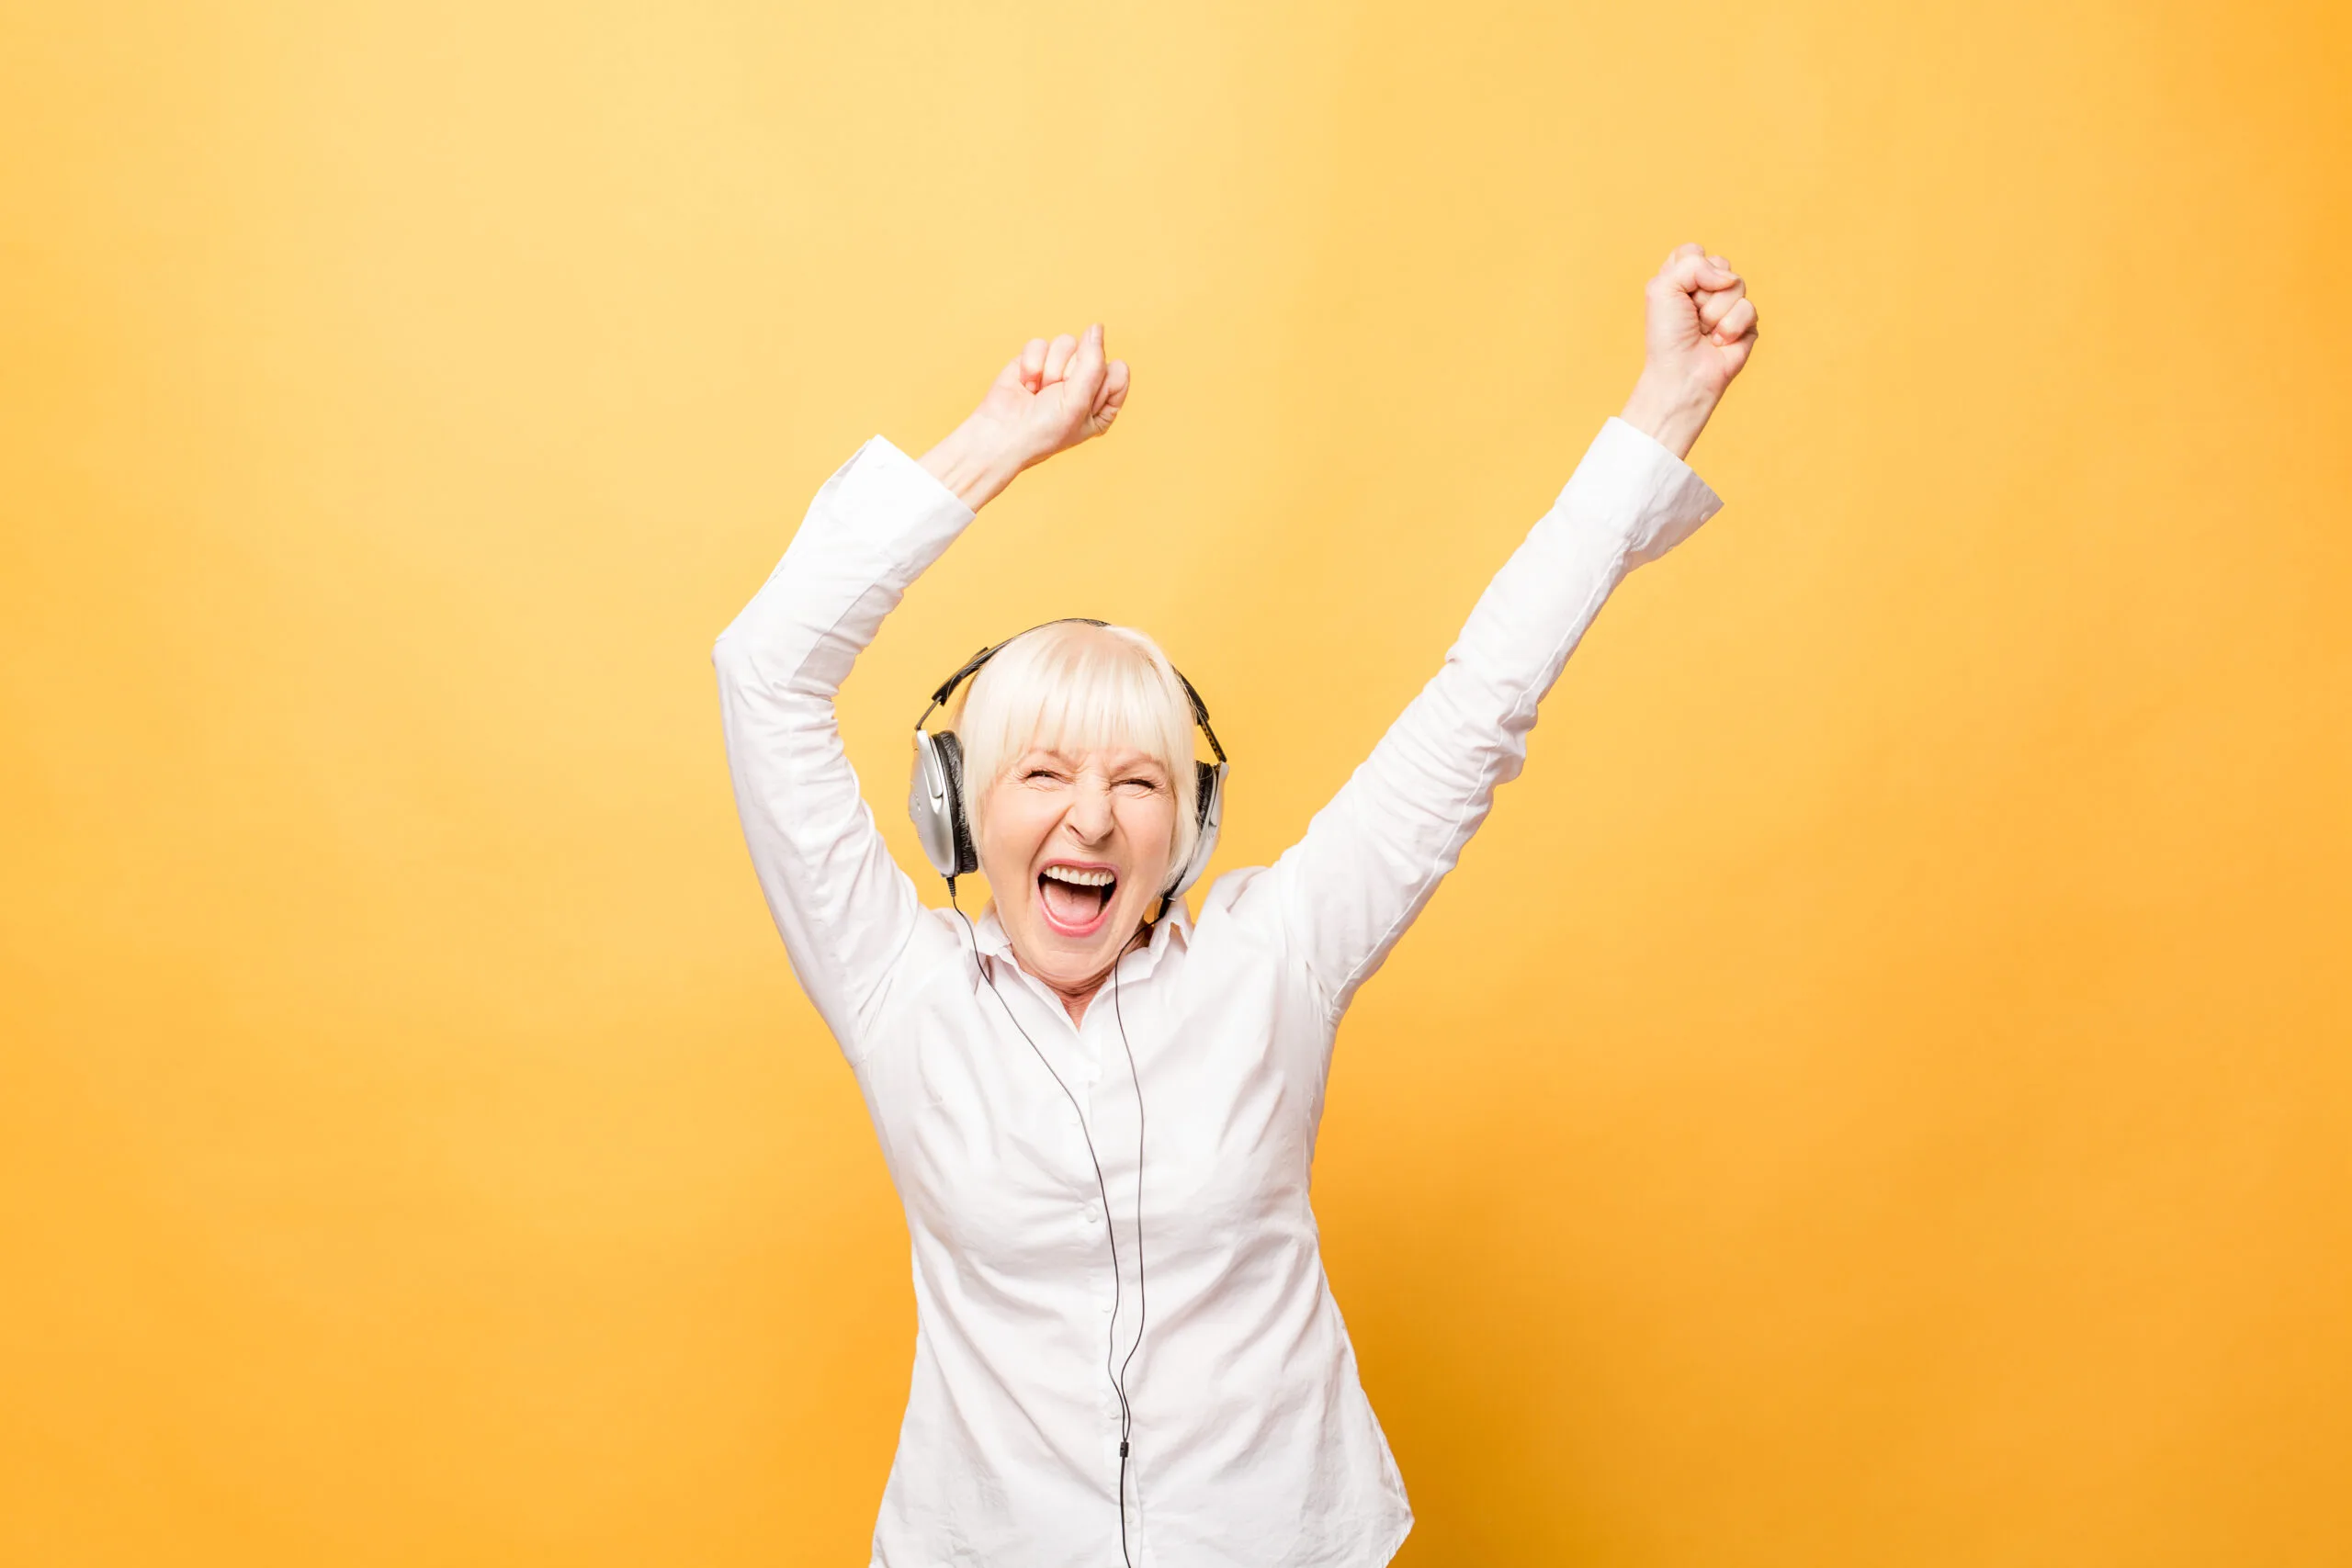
column 1011, row 825
column 1150, row 826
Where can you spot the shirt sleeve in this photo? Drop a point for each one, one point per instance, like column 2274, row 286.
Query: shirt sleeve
column 1371, row 858
column 843, row 907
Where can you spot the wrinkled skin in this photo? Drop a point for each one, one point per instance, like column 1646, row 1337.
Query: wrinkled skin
column 1081, row 815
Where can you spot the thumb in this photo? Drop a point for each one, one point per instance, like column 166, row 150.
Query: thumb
column 1688, row 274
column 1084, row 378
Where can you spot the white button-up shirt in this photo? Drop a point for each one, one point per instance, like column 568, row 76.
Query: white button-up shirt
column 1254, row 1442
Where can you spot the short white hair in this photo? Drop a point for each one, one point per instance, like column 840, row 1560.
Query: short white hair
column 1069, row 687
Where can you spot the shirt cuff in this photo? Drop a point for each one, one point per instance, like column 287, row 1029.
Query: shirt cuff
column 887, row 513
column 1631, row 484
column 886, row 476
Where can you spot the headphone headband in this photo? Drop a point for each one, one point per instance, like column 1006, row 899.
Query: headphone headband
column 971, row 667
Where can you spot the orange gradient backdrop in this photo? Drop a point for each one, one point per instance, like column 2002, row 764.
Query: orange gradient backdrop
column 1878, row 1091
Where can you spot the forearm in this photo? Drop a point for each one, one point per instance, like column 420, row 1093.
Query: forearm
column 974, row 463
column 840, row 902
column 1670, row 413
column 1371, row 858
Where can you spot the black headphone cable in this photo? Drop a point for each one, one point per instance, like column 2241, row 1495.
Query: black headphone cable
column 1143, row 1299
column 1117, row 1373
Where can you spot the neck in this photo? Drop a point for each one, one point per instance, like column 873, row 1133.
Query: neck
column 1075, row 998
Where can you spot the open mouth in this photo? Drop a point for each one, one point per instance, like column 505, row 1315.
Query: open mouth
column 1076, row 899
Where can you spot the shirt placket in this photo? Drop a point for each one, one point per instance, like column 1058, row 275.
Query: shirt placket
column 1092, row 1060
column 1111, row 1111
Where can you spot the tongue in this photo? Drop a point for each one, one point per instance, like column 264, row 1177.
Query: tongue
column 1072, row 906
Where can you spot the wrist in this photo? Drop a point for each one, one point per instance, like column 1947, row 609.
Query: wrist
column 974, row 464
column 1670, row 413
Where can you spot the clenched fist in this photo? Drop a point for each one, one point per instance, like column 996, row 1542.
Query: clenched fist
column 1048, row 398
column 1699, row 328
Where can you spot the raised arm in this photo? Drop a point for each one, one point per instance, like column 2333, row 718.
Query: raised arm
column 1371, row 858
column 843, row 906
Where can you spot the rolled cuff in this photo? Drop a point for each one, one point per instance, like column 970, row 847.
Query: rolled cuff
column 1650, row 496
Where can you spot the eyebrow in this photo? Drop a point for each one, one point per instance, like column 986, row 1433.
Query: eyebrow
column 1142, row 760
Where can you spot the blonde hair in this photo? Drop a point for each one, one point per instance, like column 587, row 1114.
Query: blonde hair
column 1073, row 687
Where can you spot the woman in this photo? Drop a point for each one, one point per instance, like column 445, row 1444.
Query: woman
column 1125, row 1348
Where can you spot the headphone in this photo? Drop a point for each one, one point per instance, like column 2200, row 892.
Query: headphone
column 935, row 798
column 935, row 801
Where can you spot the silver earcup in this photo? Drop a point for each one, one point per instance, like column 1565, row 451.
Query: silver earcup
column 1212, row 817
column 932, row 802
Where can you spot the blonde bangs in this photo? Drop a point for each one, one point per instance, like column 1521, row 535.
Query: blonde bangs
column 1073, row 687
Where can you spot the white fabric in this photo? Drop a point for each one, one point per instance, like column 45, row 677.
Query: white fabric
column 1254, row 1441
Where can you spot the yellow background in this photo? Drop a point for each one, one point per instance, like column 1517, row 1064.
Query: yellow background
column 1878, row 1091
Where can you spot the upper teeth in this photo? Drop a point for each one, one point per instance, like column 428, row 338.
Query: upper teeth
column 1077, row 877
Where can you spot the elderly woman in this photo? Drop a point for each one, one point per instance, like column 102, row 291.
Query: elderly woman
column 1125, row 1348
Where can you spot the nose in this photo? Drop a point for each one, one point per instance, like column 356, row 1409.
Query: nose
column 1090, row 811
